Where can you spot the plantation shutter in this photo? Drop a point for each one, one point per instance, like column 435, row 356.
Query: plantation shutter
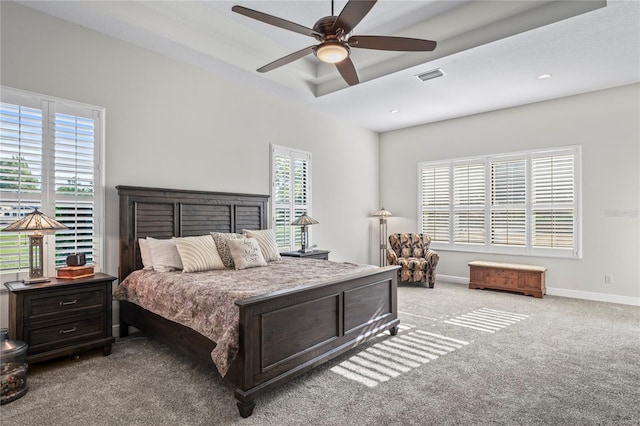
column 508, row 202
column 281, row 199
column 435, row 216
column 50, row 159
column 75, row 169
column 553, row 201
column 469, row 183
column 291, row 193
column 518, row 203
column 300, row 191
column 20, row 177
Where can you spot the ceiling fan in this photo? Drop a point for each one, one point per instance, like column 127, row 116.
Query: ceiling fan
column 333, row 33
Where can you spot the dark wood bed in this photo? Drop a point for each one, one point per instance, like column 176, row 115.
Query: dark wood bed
column 331, row 317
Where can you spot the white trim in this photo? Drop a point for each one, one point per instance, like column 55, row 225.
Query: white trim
column 560, row 292
column 528, row 249
column 292, row 154
column 452, row 279
column 9, row 92
column 598, row 297
column 50, row 105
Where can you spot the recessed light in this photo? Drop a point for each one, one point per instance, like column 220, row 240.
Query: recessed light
column 544, row 76
column 394, row 111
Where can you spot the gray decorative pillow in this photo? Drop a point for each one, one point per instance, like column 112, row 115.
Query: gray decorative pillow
column 221, row 240
column 267, row 241
column 246, row 253
column 164, row 255
column 198, row 254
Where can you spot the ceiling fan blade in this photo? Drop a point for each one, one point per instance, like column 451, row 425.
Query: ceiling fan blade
column 348, row 71
column 352, row 14
column 275, row 21
column 286, row 59
column 403, row 44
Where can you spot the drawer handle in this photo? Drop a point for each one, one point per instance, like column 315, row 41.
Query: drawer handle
column 70, row 302
column 69, row 330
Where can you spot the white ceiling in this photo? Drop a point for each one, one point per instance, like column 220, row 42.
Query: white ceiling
column 490, row 51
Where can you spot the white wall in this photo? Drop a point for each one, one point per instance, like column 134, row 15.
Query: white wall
column 607, row 125
column 171, row 125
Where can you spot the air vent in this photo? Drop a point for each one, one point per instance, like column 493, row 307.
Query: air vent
column 430, row 74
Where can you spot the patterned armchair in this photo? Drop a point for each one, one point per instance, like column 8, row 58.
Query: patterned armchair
column 411, row 251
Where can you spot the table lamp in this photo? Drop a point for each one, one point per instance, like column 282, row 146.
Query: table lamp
column 38, row 222
column 304, row 221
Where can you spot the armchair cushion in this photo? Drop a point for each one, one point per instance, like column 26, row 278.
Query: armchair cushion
column 411, row 252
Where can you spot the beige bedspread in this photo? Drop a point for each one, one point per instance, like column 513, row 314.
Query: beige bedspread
column 204, row 301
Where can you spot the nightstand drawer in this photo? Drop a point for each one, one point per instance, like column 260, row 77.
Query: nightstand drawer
column 64, row 333
column 68, row 301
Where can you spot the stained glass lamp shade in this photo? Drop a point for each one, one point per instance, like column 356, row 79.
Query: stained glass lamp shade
column 39, row 223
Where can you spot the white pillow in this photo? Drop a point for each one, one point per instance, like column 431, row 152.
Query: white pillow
column 164, row 255
column 246, row 253
column 145, row 254
column 198, row 253
column 267, row 241
column 221, row 240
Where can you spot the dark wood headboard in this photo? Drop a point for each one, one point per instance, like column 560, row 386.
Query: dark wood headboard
column 166, row 213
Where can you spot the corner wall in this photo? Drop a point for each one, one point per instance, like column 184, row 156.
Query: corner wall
column 607, row 125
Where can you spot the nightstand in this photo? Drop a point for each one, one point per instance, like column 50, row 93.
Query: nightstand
column 315, row 254
column 61, row 317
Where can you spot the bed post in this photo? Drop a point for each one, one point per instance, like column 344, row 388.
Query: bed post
column 245, row 407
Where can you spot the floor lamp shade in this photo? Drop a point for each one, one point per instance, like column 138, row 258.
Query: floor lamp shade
column 38, row 222
column 304, row 221
column 383, row 214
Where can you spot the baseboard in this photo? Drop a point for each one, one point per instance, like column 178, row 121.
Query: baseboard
column 453, row 279
column 562, row 292
column 599, row 297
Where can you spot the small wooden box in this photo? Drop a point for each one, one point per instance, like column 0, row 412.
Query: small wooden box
column 74, row 272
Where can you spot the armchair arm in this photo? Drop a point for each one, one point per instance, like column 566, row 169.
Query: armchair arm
column 392, row 257
column 432, row 258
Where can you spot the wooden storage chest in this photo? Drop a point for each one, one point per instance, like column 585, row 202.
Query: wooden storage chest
column 525, row 279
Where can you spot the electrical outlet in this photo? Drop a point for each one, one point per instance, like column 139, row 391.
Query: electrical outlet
column 608, row 279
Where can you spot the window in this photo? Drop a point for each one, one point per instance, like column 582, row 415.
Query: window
column 290, row 193
column 521, row 203
column 50, row 151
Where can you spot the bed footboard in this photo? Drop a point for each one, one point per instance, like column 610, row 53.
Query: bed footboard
column 287, row 333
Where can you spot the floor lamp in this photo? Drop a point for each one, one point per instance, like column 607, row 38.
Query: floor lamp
column 38, row 222
column 383, row 214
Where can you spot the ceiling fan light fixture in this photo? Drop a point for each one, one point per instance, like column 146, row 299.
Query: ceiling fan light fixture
column 332, row 52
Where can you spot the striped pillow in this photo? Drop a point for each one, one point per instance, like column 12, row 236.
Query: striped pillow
column 198, row 253
column 267, row 242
